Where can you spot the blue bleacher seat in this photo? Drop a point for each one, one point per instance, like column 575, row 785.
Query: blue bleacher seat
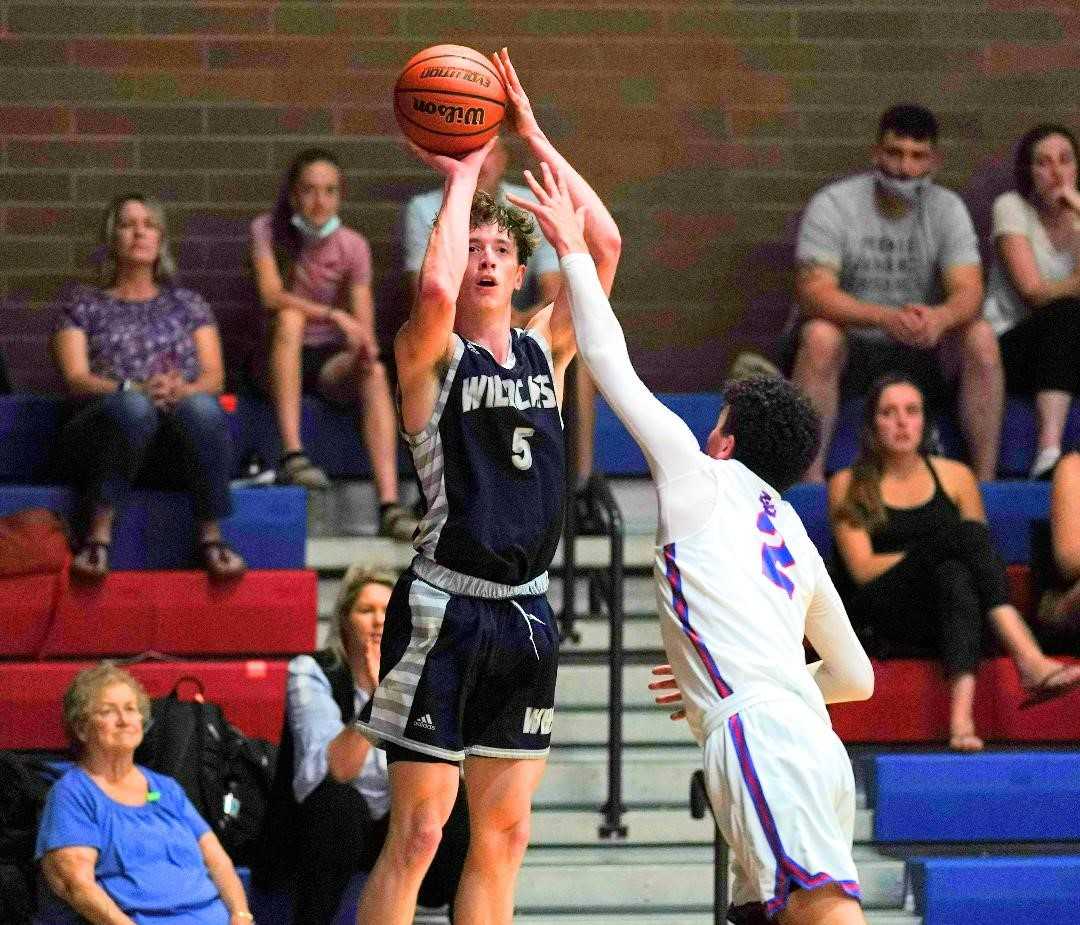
column 28, row 426
column 268, row 526
column 996, row 890
column 617, row 454
column 1001, row 796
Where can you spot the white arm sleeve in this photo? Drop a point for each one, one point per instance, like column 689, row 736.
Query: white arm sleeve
column 844, row 672
column 669, row 446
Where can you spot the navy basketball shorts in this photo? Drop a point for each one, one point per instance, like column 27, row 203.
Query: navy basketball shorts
column 464, row 675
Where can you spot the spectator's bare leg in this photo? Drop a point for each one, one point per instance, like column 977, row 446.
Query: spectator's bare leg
column 819, row 364
column 345, row 378
column 1031, row 663
column 962, row 737
column 285, row 344
column 981, row 396
column 586, row 423
column 1052, row 410
column 379, row 426
column 100, row 527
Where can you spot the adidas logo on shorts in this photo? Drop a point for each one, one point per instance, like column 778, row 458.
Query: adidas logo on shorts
column 424, row 722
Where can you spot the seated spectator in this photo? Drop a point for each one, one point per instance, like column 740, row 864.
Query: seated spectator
column 889, row 278
column 332, row 790
column 1033, row 293
column 919, row 567
column 121, row 843
column 314, row 275
column 539, row 288
column 1065, row 537
column 142, row 359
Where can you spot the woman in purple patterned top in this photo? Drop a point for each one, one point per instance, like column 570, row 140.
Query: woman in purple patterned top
column 142, row 358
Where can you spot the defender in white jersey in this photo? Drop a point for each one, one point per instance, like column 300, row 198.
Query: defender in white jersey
column 739, row 585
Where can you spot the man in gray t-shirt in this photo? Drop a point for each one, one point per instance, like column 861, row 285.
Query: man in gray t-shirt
column 888, row 273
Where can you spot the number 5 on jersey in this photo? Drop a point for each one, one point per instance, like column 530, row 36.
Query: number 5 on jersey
column 520, row 451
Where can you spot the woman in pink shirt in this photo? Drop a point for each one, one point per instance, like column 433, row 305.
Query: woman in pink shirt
column 314, row 275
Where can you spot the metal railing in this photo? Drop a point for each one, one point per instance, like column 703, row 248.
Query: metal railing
column 594, row 508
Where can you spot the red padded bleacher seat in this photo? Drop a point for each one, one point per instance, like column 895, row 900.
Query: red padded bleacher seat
column 177, row 613
column 252, row 694
column 1055, row 721
column 1022, row 591
column 27, row 603
column 910, row 704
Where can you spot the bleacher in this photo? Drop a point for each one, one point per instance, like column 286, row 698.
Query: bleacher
column 238, row 638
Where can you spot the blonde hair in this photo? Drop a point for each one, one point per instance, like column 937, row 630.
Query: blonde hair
column 351, row 585
column 87, row 686
column 164, row 267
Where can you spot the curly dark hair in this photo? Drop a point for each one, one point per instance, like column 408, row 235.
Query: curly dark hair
column 486, row 210
column 776, row 431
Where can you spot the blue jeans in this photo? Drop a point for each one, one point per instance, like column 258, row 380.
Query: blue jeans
column 114, row 441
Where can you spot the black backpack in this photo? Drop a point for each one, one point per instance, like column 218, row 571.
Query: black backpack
column 25, row 780
column 226, row 775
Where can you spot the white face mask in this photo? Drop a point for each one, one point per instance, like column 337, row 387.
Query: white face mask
column 908, row 189
column 310, row 231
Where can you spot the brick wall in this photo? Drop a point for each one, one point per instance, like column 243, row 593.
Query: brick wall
column 705, row 125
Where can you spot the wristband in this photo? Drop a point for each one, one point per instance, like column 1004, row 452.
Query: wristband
column 247, row 916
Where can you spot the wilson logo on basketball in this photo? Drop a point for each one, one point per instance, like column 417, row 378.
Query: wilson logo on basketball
column 454, row 73
column 459, row 115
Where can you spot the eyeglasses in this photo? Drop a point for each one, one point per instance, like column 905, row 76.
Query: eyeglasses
column 120, row 712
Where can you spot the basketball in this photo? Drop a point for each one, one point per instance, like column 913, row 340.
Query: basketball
column 449, row 99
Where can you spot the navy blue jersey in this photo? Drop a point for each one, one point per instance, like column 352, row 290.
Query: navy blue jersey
column 491, row 465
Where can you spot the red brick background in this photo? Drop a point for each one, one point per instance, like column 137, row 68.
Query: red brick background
column 705, row 125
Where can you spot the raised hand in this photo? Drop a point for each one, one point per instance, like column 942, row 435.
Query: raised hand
column 668, row 683
column 520, row 111
column 562, row 224
column 453, row 166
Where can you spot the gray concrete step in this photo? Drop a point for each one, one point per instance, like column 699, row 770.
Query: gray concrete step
column 336, row 553
column 587, row 686
column 646, row 825
column 577, row 776
column 641, row 725
column 671, row 877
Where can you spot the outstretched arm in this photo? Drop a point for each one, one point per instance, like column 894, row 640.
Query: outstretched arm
column 669, row 446
column 601, row 234
column 424, row 340
column 844, row 672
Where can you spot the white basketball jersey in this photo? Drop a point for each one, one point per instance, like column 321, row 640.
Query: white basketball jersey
column 733, row 598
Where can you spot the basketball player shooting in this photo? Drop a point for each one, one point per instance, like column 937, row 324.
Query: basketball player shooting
column 739, row 584
column 469, row 648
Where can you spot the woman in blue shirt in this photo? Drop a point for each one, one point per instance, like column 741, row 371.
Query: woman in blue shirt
column 118, row 843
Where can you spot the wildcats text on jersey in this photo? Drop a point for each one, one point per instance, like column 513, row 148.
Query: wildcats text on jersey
column 497, row 392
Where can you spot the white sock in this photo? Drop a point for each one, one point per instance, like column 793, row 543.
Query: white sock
column 1045, row 460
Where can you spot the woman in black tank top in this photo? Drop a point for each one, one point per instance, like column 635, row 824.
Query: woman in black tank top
column 920, row 574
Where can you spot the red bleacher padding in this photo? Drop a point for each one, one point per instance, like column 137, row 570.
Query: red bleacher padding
column 910, row 704
column 252, row 694
column 177, row 613
column 27, row 603
column 1022, row 591
column 1057, row 720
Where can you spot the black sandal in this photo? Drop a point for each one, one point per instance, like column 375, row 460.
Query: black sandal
column 212, row 552
column 91, row 562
